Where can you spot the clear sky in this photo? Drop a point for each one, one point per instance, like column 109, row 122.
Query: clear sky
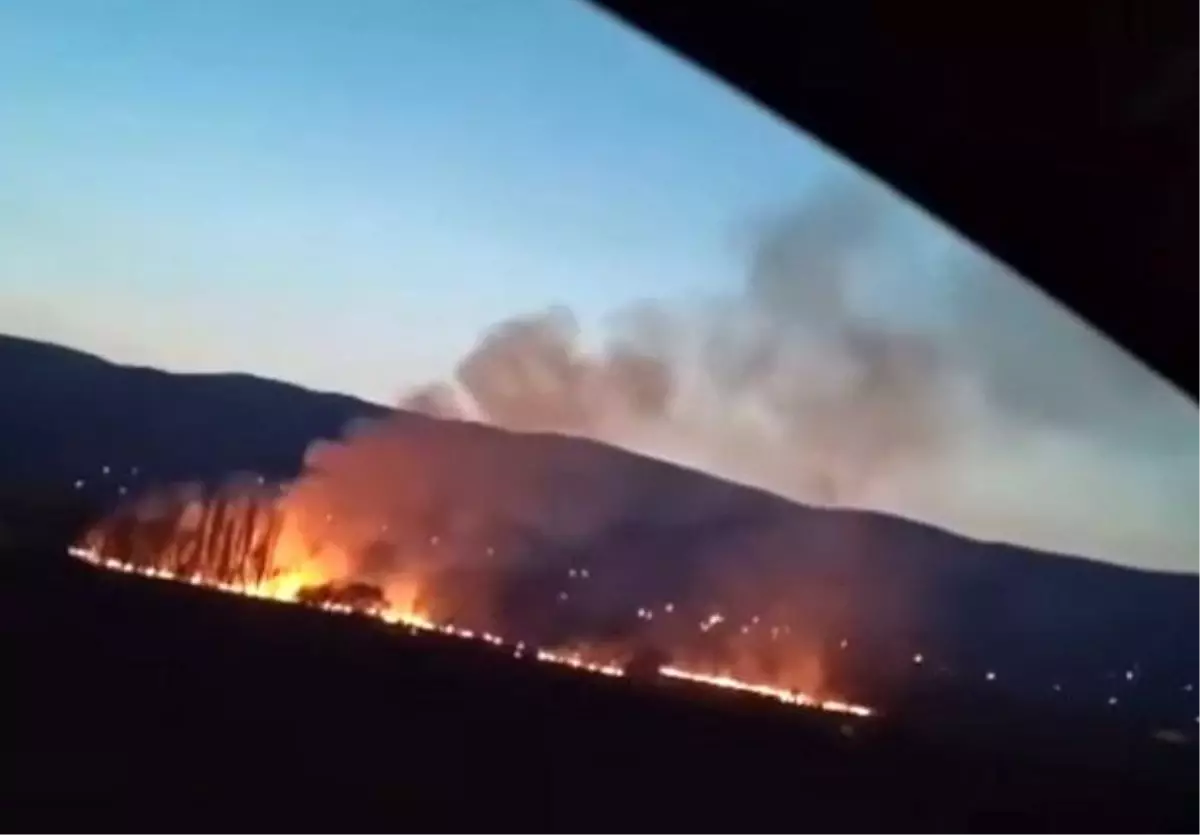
column 346, row 193
column 353, row 172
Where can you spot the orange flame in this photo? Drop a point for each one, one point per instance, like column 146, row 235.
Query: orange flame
column 301, row 570
column 295, row 567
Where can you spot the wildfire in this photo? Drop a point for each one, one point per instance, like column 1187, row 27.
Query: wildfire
column 287, row 586
column 779, row 694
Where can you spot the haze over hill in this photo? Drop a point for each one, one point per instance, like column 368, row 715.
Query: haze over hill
column 654, row 532
column 313, row 214
column 1011, row 421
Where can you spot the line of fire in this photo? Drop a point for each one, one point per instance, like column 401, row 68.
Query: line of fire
column 226, row 538
column 232, row 539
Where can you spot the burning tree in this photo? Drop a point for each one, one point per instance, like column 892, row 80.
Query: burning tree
column 228, row 537
column 362, row 597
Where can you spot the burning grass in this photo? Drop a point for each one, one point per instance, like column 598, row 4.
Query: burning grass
column 248, row 543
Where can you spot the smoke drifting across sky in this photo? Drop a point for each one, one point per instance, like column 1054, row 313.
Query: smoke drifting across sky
column 373, row 199
column 793, row 385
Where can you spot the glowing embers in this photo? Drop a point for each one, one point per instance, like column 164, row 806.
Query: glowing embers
column 577, row 662
column 332, row 598
column 790, row 697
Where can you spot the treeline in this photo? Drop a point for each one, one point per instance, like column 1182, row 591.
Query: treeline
column 226, row 536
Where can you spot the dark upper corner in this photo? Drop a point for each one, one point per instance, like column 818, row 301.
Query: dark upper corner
column 1060, row 137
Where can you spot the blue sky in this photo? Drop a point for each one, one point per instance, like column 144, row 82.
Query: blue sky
column 346, row 194
column 387, row 160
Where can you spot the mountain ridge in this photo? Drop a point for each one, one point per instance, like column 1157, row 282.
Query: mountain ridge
column 357, row 408
column 901, row 586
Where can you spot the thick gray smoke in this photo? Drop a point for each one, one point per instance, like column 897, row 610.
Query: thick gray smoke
column 794, row 386
column 786, row 373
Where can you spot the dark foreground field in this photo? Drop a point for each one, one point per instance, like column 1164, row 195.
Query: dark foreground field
column 133, row 704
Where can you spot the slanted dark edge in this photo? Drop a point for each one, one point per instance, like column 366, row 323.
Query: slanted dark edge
column 1063, row 140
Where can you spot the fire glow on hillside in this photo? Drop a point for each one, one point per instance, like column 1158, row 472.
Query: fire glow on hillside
column 250, row 544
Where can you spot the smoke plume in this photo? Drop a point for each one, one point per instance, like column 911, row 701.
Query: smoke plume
column 788, row 385
column 783, row 387
column 795, row 386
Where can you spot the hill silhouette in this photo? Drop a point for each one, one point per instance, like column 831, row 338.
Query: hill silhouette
column 68, row 414
column 135, row 704
column 1069, row 633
